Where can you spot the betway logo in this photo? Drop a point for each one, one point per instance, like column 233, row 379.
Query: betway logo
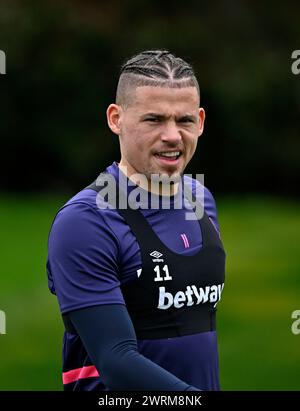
column 192, row 295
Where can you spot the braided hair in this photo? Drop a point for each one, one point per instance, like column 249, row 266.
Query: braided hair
column 156, row 68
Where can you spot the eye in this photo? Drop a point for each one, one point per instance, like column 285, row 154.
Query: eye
column 186, row 120
column 152, row 120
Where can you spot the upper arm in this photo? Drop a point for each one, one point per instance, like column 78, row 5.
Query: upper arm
column 83, row 259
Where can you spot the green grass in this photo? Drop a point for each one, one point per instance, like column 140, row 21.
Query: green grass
column 257, row 348
column 30, row 351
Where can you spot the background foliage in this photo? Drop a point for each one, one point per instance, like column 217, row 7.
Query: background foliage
column 63, row 59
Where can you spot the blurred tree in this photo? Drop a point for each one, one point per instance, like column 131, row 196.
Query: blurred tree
column 62, row 69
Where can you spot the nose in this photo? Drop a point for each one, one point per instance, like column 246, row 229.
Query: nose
column 171, row 133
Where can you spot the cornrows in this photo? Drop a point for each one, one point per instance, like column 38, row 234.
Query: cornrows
column 158, row 64
column 156, row 68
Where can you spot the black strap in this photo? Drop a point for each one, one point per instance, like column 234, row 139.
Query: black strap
column 69, row 327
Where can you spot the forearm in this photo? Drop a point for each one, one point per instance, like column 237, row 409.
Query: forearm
column 124, row 368
column 109, row 338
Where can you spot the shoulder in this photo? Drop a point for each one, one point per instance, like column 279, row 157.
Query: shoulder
column 205, row 197
column 81, row 207
column 79, row 222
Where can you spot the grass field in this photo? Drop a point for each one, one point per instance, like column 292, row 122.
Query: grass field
column 257, row 348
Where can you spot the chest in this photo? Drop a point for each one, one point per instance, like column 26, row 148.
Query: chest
column 171, row 290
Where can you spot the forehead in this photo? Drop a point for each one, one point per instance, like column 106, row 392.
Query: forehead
column 156, row 98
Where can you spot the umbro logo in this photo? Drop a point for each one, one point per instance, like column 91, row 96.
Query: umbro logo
column 156, row 256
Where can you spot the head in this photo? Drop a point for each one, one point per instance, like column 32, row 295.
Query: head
column 157, row 114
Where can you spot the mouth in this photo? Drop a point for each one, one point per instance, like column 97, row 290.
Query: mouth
column 169, row 157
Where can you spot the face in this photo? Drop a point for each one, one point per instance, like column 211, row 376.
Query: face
column 159, row 130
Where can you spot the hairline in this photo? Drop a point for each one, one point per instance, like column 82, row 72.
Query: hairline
column 137, row 81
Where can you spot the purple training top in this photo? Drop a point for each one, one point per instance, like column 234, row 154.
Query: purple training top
column 91, row 252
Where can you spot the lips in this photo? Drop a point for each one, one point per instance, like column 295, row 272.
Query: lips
column 166, row 159
column 169, row 155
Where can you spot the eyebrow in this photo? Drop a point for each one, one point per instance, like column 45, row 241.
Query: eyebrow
column 163, row 117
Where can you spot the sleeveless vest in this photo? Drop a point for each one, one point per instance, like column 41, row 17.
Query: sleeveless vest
column 173, row 294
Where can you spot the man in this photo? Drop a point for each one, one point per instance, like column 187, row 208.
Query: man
column 138, row 285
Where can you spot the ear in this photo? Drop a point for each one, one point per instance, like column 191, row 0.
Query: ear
column 113, row 115
column 201, row 120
